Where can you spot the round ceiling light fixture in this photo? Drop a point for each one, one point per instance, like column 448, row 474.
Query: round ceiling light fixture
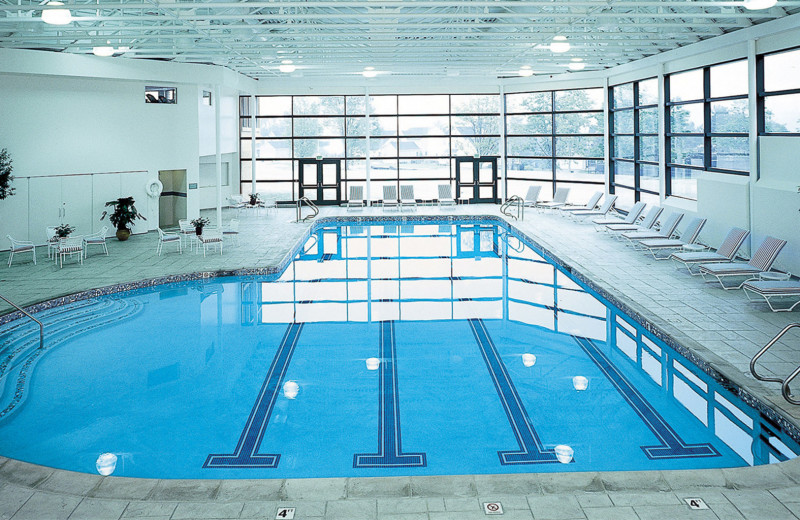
column 369, row 72
column 56, row 16
column 287, row 66
column 103, row 51
column 525, row 71
column 559, row 44
column 754, row 5
column 576, row 64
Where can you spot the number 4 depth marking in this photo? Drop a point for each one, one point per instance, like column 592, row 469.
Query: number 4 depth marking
column 285, row 513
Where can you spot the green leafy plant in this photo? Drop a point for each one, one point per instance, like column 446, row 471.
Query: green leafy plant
column 124, row 213
column 254, row 199
column 5, row 174
column 64, row 230
column 200, row 222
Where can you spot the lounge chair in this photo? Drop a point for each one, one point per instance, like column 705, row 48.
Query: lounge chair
column 761, row 262
column 725, row 253
column 559, row 199
column 648, row 221
column 20, row 246
column 532, row 197
column 446, row 195
column 165, row 238
column 356, row 198
column 407, row 196
column 633, row 215
column 590, row 205
column 187, row 231
column 654, row 246
column 390, row 199
column 666, row 231
column 607, row 206
column 787, row 291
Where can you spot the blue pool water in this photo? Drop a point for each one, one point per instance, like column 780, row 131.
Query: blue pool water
column 268, row 377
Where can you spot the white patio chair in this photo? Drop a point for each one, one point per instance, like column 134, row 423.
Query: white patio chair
column 407, row 196
column 20, row 246
column 446, row 195
column 356, row 198
column 165, row 237
column 96, row 239
column 210, row 237
column 69, row 246
column 187, row 232
column 52, row 240
column 232, row 231
column 390, row 199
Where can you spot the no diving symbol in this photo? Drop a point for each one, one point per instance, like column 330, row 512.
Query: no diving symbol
column 695, row 503
column 492, row 508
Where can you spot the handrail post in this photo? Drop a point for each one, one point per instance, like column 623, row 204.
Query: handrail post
column 26, row 313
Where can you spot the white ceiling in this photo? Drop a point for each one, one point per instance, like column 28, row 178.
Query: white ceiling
column 398, row 37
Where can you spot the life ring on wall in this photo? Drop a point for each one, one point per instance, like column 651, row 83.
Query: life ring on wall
column 154, row 188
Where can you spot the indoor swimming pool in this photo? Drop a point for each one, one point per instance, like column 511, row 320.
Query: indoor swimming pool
column 382, row 349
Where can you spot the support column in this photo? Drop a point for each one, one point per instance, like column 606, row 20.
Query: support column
column 218, row 149
column 366, row 145
column 253, row 109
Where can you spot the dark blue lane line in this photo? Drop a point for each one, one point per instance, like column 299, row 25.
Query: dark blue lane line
column 672, row 446
column 246, row 453
column 531, row 450
column 390, row 449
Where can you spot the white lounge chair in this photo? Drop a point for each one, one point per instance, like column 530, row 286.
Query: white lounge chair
column 559, row 199
column 390, row 199
column 631, row 218
column 187, row 232
column 69, row 246
column 356, row 198
column 165, row 237
column 584, row 214
column 654, row 246
column 95, row 239
column 725, row 253
column 446, row 196
column 666, row 230
column 532, row 197
column 20, row 246
column 407, row 198
column 590, row 205
column 232, row 231
column 785, row 291
column 648, row 221
column 761, row 262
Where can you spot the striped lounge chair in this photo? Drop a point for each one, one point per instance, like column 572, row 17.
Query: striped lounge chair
column 666, row 231
column 577, row 214
column 761, row 262
column 590, row 205
column 787, row 292
column 648, row 221
column 532, row 197
column 633, row 215
column 654, row 246
column 559, row 199
column 727, row 250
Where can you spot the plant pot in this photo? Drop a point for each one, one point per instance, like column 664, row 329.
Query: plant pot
column 123, row 234
column 198, row 230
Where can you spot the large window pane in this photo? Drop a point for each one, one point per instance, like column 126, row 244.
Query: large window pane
column 383, row 147
column 425, row 168
column 423, row 104
column 273, row 190
column 648, row 148
column 730, row 116
column 529, row 102
column 274, row 127
column 623, row 96
column 356, row 170
column 686, row 86
column 476, row 125
column 686, row 119
column 648, row 92
column 273, row 171
column 580, row 170
column 424, row 125
column 623, row 147
column 730, row 153
column 476, row 145
column 623, row 173
column 318, row 105
column 274, row 106
column 782, row 113
column 648, row 177
column 623, row 122
column 357, row 148
column 273, row 149
column 687, row 150
column 382, row 169
column 684, row 182
column 530, row 146
column 625, row 198
column 591, row 123
column 585, row 99
column 424, row 146
column 475, row 104
column 529, row 124
column 782, row 71
column 648, row 121
column 318, row 127
column 530, row 168
column 306, row 148
column 729, row 79
column 586, row 146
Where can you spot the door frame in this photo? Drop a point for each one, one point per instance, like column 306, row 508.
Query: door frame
column 477, row 184
column 303, row 190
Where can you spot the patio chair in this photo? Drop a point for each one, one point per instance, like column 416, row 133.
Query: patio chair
column 95, row 239
column 654, row 246
column 232, row 231
column 725, row 253
column 210, row 237
column 666, row 230
column 20, row 246
column 761, row 262
column 633, row 215
column 648, row 221
column 52, row 240
column 235, row 202
column 446, row 196
column 584, row 214
column 356, row 198
column 390, row 199
column 187, row 232
column 532, row 197
column 165, row 237
column 787, row 291
column 590, row 205
column 69, row 246
column 559, row 199
column 407, row 196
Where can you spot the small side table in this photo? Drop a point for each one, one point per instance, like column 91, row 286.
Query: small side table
column 774, row 276
column 693, row 247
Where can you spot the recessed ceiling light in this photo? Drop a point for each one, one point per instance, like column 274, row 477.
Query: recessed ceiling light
column 287, row 62
column 576, row 64
column 103, row 51
column 525, row 72
column 759, row 4
column 559, row 44
column 56, row 16
column 287, row 67
column 369, row 73
column 369, row 68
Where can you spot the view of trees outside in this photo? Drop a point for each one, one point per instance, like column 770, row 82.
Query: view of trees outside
column 782, row 92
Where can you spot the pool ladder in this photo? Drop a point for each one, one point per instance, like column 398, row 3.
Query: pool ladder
column 514, row 201
column 784, row 382
column 26, row 313
column 310, row 216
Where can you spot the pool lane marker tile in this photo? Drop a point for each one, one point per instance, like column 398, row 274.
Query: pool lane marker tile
column 390, row 449
column 695, row 503
column 672, row 446
column 285, row 513
column 246, row 454
column 531, row 449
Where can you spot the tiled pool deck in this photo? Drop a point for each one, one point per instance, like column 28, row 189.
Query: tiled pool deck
column 720, row 326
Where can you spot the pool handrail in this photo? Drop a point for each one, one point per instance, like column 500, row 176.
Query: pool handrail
column 26, row 313
column 784, row 382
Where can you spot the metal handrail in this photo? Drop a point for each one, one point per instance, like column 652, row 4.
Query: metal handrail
column 784, row 382
column 311, row 205
column 26, row 313
column 514, row 200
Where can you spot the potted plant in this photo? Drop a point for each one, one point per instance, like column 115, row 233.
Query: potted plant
column 124, row 213
column 5, row 174
column 64, row 230
column 198, row 224
column 254, row 199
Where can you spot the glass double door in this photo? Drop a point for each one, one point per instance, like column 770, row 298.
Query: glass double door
column 320, row 180
column 476, row 179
